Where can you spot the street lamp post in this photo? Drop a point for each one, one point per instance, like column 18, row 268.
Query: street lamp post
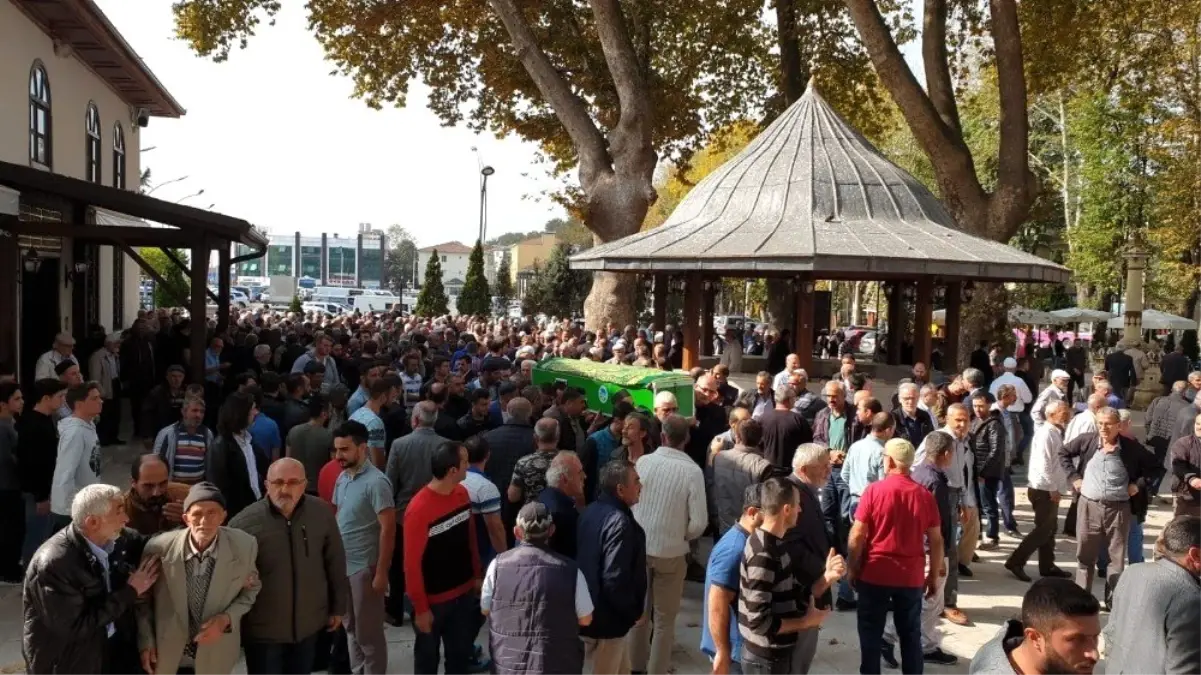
column 484, row 173
column 166, row 182
column 194, row 194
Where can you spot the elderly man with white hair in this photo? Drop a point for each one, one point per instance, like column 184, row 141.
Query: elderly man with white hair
column 104, row 366
column 563, row 496
column 81, row 588
column 1056, row 391
column 63, row 350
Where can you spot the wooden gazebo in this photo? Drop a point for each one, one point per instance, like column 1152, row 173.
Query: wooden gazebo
column 811, row 199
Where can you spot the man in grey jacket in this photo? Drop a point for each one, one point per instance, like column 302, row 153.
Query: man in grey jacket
column 1169, row 589
column 1058, row 633
column 409, row 470
column 78, row 462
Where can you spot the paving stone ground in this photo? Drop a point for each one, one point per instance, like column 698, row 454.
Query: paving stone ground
column 988, row 598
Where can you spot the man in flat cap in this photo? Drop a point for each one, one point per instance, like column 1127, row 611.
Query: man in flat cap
column 208, row 583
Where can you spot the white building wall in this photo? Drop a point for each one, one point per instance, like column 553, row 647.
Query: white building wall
column 454, row 266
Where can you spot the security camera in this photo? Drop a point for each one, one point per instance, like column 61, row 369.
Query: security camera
column 143, row 118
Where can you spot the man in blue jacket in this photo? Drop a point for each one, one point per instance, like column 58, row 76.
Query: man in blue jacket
column 612, row 556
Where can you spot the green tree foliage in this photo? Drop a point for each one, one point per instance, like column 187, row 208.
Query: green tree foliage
column 295, row 306
column 554, row 289
column 475, row 299
column 510, row 238
column 432, row 300
column 400, row 260
column 176, row 294
column 504, row 285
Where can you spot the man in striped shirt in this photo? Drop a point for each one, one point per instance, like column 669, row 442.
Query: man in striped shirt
column 184, row 445
column 769, row 616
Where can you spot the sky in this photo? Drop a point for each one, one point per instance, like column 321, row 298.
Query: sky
column 272, row 137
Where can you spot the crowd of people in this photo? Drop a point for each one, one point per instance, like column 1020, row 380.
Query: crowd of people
column 331, row 476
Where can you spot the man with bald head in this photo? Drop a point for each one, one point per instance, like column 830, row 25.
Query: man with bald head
column 302, row 568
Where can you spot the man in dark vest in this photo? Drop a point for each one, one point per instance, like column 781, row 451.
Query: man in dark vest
column 536, row 601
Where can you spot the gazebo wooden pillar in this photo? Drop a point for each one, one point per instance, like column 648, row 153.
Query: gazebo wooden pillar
column 803, row 327
column 660, row 302
column 693, row 298
column 896, row 322
column 223, row 272
column 707, row 302
column 923, row 318
column 950, row 352
column 198, row 319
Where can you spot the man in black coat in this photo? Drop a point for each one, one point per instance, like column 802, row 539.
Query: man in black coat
column 81, row 588
column 1174, row 368
column 611, row 549
column 1122, row 376
column 980, row 361
column 506, row 444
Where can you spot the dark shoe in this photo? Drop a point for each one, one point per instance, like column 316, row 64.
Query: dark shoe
column 955, row 616
column 991, row 545
column 888, row 655
column 965, row 571
column 481, row 664
column 1108, row 597
column 394, row 621
column 975, row 557
column 1057, row 573
column 1014, row 532
column 695, row 573
column 1018, row 572
column 845, row 605
column 940, row 657
column 1017, row 461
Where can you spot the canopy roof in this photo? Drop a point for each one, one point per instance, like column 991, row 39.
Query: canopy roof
column 1020, row 315
column 1082, row 314
column 810, row 194
column 1153, row 319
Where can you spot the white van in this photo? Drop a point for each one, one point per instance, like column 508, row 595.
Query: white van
column 374, row 301
column 331, row 308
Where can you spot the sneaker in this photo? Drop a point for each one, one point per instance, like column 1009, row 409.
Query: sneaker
column 990, row 545
column 1019, row 572
column 479, row 662
column 845, row 605
column 1014, row 532
column 940, row 657
column 965, row 571
column 888, row 655
column 955, row 616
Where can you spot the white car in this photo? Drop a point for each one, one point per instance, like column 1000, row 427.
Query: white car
column 323, row 307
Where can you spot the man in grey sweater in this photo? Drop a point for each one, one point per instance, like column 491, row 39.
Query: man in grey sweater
column 78, row 463
column 1058, row 633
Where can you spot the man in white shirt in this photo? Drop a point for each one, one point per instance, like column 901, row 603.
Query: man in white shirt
column 1086, row 421
column 791, row 363
column 64, row 346
column 1045, row 484
column 672, row 512
column 1056, row 391
column 1024, row 398
column 963, row 507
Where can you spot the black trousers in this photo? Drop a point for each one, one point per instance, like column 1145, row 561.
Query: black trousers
column 109, row 425
column 395, row 604
column 12, row 534
column 1042, row 537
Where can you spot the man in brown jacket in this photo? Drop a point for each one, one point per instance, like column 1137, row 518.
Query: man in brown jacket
column 303, row 571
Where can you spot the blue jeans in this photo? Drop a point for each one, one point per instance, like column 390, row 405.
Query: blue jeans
column 1027, row 423
column 289, row 658
column 1134, row 550
column 906, row 606
column 37, row 529
column 1005, row 497
column 989, row 506
column 454, row 627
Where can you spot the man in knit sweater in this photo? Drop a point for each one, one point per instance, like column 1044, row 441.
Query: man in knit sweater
column 672, row 512
column 442, row 565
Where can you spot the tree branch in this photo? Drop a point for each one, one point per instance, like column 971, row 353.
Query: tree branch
column 568, row 107
column 632, row 143
column 792, row 80
column 1015, row 183
column 937, row 65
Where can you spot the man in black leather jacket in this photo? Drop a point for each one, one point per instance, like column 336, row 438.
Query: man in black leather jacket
column 80, row 590
column 989, row 443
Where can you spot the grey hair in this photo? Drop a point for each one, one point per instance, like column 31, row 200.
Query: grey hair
column 560, row 467
column 835, row 384
column 614, row 474
column 1054, row 407
column 1123, row 415
column 519, row 410
column 261, row 349
column 1180, row 534
column 425, row 414
column 675, row 430
column 974, row 377
column 1110, row 413
column 928, row 388
column 1195, row 374
column 908, row 386
column 1179, row 386
column 808, row 454
column 546, row 430
column 785, row 393
column 1103, row 385
column 532, row 363
column 94, row 500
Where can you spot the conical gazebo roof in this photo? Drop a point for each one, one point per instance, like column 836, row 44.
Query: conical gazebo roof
column 810, row 194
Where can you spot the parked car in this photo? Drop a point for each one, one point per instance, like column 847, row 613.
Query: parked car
column 323, row 307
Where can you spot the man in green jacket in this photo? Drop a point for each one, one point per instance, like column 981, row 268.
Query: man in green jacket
column 303, row 571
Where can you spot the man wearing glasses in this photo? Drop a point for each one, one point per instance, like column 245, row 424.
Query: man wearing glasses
column 303, row 571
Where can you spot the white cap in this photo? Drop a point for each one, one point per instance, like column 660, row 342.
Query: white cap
column 1058, row 374
column 1010, row 363
column 620, row 344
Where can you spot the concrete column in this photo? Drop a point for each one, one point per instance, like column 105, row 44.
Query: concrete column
column 923, row 317
column 325, row 260
column 1132, row 319
column 358, row 261
column 296, row 274
column 693, row 298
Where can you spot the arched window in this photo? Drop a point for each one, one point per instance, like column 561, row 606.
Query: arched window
column 118, row 156
column 92, row 126
column 39, row 116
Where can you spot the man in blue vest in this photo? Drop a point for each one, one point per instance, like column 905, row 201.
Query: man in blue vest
column 535, row 600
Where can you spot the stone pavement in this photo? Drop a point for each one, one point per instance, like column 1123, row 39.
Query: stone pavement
column 988, row 598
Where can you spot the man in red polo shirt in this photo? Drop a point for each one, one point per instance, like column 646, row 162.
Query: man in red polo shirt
column 887, row 545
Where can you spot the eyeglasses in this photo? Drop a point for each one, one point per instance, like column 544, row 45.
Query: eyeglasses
column 277, row 483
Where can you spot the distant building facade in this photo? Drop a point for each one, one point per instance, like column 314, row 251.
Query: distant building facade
column 332, row 259
column 524, row 255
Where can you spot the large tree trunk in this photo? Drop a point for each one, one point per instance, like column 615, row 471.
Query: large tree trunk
column 617, row 206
